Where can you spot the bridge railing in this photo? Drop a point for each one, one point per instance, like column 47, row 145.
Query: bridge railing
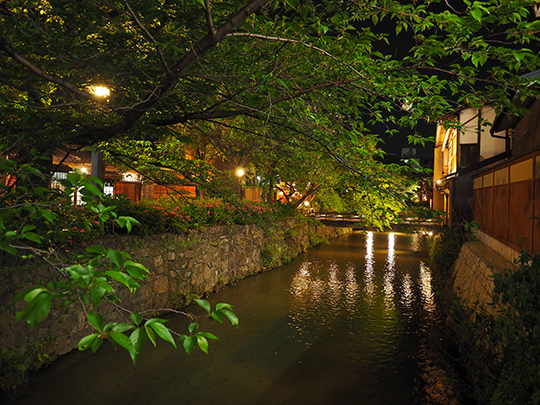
column 352, row 217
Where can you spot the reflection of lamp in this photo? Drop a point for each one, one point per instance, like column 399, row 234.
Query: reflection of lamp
column 239, row 172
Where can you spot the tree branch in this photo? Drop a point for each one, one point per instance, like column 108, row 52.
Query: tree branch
column 294, row 41
column 169, row 80
column 142, row 27
column 7, row 48
column 209, row 19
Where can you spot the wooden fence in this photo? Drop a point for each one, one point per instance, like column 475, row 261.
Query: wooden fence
column 506, row 202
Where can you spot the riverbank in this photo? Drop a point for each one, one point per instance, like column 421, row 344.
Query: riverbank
column 490, row 300
column 352, row 321
column 182, row 268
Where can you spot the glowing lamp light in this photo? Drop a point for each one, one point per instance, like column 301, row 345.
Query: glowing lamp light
column 100, row 91
column 306, row 203
column 239, row 172
column 84, row 170
column 438, row 181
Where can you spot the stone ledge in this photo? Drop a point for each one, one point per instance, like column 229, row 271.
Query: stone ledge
column 506, row 251
column 473, row 273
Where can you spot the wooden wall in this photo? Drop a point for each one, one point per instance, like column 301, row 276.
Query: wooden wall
column 506, row 202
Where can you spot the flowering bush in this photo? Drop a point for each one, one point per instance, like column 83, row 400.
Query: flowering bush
column 167, row 215
column 78, row 226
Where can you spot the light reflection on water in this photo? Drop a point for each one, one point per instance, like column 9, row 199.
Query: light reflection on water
column 369, row 274
column 345, row 323
column 387, row 299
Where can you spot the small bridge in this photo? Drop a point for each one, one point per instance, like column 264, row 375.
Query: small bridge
column 355, row 221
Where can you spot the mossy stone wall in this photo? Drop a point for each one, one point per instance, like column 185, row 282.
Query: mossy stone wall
column 182, row 267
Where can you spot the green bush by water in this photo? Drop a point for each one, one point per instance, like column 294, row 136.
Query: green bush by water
column 500, row 345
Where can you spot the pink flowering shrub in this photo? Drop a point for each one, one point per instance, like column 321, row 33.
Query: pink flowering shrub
column 78, row 226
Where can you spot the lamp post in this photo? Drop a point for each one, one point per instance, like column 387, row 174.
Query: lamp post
column 97, row 168
column 239, row 173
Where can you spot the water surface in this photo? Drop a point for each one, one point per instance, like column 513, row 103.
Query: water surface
column 346, row 323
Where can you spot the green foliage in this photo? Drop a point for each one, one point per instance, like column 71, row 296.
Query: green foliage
column 500, row 348
column 16, row 364
column 444, row 251
column 312, row 114
column 95, row 276
column 13, row 369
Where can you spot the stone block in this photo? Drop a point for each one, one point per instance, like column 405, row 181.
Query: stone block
column 161, row 284
column 158, row 261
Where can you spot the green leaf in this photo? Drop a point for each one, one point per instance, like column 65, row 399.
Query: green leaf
column 97, row 180
column 203, row 343
column 96, row 320
column 193, row 327
column 73, row 179
column 22, row 294
column 97, row 292
column 121, row 277
column 223, row 306
column 519, row 56
column 208, row 335
column 96, row 250
column 49, row 216
column 477, row 14
column 123, row 327
column 204, row 304
column 190, row 343
column 151, row 335
column 97, row 343
column 28, row 228
column 138, row 265
column 135, row 270
column 138, row 340
column 231, row 315
column 93, row 189
column 217, row 315
column 88, row 341
column 109, row 326
column 37, row 310
column 136, row 318
column 121, row 340
column 115, row 256
column 163, row 332
column 34, row 237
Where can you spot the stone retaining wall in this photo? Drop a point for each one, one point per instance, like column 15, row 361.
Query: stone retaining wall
column 473, row 271
column 182, row 268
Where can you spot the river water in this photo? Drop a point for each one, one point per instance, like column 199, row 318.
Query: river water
column 351, row 322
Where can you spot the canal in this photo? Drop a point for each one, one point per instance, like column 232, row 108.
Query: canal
column 351, row 322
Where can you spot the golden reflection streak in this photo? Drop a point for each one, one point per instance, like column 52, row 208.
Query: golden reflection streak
column 369, row 274
column 301, row 281
column 388, row 278
column 334, row 287
column 351, row 288
column 407, row 296
column 428, row 298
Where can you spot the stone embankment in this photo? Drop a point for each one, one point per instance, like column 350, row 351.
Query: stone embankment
column 182, row 267
column 473, row 271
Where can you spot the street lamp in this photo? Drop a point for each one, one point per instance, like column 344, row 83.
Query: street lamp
column 100, row 91
column 97, row 168
column 239, row 172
